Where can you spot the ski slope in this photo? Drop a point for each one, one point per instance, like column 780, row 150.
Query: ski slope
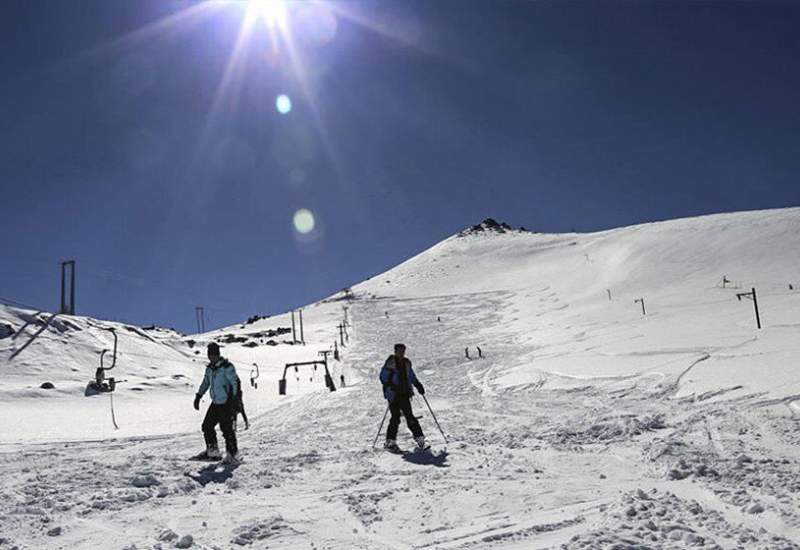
column 585, row 424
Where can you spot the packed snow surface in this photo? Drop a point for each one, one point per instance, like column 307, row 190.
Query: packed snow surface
column 584, row 424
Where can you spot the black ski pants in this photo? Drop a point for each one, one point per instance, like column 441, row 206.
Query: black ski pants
column 224, row 416
column 402, row 405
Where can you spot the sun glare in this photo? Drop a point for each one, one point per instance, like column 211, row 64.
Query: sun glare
column 287, row 36
column 272, row 12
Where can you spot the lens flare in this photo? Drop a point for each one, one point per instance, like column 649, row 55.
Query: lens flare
column 304, row 221
column 283, row 104
column 316, row 23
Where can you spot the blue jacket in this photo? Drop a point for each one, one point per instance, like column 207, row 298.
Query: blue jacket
column 221, row 379
column 393, row 381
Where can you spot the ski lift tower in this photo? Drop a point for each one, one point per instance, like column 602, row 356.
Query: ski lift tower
column 68, row 308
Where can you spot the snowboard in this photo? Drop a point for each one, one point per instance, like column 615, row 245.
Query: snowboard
column 203, row 457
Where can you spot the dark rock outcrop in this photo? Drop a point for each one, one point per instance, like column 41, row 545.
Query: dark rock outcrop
column 490, row 225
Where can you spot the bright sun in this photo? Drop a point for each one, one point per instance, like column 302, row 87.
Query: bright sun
column 272, row 12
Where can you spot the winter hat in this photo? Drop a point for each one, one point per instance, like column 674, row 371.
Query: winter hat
column 213, row 347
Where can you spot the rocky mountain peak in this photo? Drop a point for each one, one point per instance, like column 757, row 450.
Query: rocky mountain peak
column 489, row 225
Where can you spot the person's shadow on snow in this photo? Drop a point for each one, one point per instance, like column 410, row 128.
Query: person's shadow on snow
column 214, row 473
column 427, row 459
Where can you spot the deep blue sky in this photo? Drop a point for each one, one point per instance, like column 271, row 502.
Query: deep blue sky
column 551, row 115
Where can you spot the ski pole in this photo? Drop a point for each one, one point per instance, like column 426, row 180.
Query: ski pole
column 377, row 435
column 434, row 419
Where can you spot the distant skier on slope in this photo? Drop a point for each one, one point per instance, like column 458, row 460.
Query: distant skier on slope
column 221, row 381
column 397, row 377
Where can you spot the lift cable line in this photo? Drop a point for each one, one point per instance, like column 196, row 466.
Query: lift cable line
column 16, row 303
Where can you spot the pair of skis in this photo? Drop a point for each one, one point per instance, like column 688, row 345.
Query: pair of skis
column 427, row 447
column 399, row 451
column 203, row 457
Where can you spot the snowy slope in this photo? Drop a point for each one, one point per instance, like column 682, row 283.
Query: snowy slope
column 159, row 369
column 585, row 425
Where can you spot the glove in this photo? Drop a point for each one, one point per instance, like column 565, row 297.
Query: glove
column 420, row 389
column 197, row 402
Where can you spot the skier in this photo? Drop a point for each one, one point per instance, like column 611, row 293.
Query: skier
column 397, row 377
column 221, row 381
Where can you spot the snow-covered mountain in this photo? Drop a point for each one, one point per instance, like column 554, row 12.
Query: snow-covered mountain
column 585, row 423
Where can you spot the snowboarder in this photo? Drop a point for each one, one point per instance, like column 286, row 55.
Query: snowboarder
column 221, row 381
column 341, row 379
column 466, row 352
column 480, row 352
column 397, row 377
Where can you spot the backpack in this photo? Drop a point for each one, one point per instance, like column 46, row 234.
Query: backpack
column 239, row 404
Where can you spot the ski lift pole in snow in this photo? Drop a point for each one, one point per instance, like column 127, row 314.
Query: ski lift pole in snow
column 640, row 300
column 35, row 317
column 294, row 338
column 328, row 377
column 68, row 308
column 200, row 317
column 752, row 296
column 324, row 353
column 34, row 337
column 302, row 336
column 336, row 350
column 253, row 378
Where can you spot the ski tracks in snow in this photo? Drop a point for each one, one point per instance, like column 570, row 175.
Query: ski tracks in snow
column 558, row 462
